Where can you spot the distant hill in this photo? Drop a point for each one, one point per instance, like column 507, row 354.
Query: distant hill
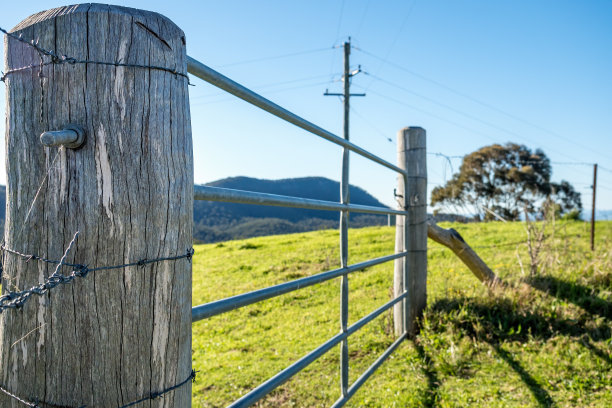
column 214, row 221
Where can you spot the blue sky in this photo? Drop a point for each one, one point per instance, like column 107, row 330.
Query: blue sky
column 471, row 73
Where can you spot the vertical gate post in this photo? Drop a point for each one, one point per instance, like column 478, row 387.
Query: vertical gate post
column 113, row 336
column 411, row 230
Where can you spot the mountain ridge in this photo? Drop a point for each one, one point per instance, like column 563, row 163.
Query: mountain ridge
column 215, row 221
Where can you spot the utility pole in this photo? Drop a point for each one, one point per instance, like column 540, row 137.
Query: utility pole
column 593, row 209
column 346, row 78
column 344, row 197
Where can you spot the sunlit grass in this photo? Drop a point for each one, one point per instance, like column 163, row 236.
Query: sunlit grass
column 543, row 341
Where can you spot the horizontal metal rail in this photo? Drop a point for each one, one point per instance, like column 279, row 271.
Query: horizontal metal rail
column 250, row 197
column 367, row 373
column 261, row 391
column 224, row 305
column 219, row 80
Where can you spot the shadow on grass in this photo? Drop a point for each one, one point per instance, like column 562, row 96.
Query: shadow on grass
column 500, row 320
column 575, row 293
column 604, row 355
column 431, row 396
column 540, row 394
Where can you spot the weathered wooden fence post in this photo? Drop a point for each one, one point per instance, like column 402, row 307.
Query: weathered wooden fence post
column 411, row 231
column 116, row 335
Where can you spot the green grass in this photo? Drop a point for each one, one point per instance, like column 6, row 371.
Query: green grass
column 542, row 341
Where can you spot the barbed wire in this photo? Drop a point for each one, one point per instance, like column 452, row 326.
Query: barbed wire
column 63, row 59
column 16, row 299
column 150, row 397
column 155, row 395
column 16, row 398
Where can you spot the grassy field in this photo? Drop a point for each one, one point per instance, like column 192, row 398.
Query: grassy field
column 545, row 340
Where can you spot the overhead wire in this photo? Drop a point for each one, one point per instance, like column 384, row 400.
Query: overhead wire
column 460, row 112
column 275, row 57
column 433, row 115
column 363, row 17
column 371, row 125
column 604, row 187
column 263, row 86
column 267, row 93
column 340, row 20
column 448, row 161
column 479, row 102
column 399, row 32
column 604, row 169
column 334, row 46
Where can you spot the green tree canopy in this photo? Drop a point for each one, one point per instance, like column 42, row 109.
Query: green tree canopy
column 505, row 180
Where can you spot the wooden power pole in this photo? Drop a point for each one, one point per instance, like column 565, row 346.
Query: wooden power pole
column 593, row 207
column 109, row 337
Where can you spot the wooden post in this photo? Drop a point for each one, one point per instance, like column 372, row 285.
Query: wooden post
column 455, row 242
column 114, row 336
column 411, row 231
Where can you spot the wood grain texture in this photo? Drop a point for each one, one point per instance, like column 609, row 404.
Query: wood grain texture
column 399, row 310
column 452, row 240
column 411, row 230
column 114, row 336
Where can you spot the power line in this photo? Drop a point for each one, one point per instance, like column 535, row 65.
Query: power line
column 522, row 161
column 367, row 122
column 572, row 163
column 399, row 32
column 605, row 187
column 485, row 104
column 267, row 93
column 263, row 86
column 333, row 58
column 605, row 169
column 448, row 160
column 445, row 156
column 275, row 57
column 363, row 16
column 340, row 20
column 462, row 113
column 433, row 115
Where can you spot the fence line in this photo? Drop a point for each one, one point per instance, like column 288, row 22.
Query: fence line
column 235, row 302
column 411, row 202
column 250, row 197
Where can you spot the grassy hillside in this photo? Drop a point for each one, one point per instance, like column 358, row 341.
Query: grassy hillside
column 545, row 341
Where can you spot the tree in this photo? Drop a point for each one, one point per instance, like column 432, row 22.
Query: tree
column 505, row 181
